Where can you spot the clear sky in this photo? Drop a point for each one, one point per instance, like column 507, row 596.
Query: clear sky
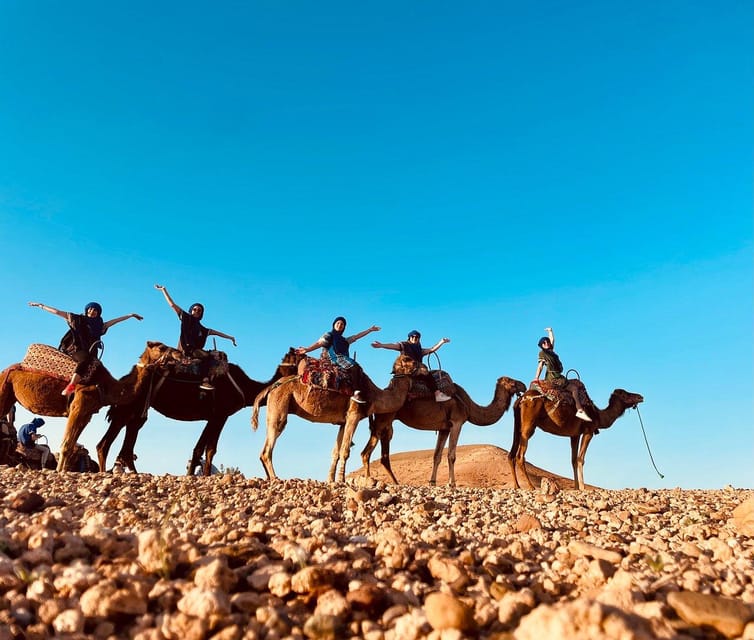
column 478, row 171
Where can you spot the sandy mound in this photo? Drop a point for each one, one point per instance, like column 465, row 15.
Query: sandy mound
column 484, row 466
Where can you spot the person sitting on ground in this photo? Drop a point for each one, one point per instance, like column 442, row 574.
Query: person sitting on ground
column 337, row 347
column 194, row 334
column 413, row 349
column 28, row 437
column 548, row 358
column 83, row 338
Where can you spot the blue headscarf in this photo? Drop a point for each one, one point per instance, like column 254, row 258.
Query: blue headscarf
column 93, row 305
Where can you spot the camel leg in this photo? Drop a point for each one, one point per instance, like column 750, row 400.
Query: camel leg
column 385, row 438
column 196, row 453
column 275, row 426
column 353, row 417
column 455, row 434
column 442, row 438
column 381, row 430
column 577, row 459
column 366, row 453
column 213, row 430
column 126, row 455
column 335, row 453
column 515, row 445
column 7, row 397
column 84, row 405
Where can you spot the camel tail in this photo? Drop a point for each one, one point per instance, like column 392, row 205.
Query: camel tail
column 259, row 401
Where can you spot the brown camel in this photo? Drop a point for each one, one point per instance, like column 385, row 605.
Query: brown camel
column 179, row 398
column 446, row 418
column 533, row 410
column 292, row 396
column 40, row 393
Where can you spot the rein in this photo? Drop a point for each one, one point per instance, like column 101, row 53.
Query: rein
column 641, row 422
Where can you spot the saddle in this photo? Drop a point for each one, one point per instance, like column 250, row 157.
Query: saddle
column 322, row 373
column 54, row 363
column 419, row 372
column 175, row 362
column 557, row 391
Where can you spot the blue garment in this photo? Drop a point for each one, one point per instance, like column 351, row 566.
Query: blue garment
column 26, row 431
column 337, row 348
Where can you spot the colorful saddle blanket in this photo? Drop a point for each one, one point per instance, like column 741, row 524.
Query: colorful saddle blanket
column 54, row 363
column 322, row 373
column 557, row 391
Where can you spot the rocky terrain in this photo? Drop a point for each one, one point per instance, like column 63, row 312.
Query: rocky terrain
column 226, row 557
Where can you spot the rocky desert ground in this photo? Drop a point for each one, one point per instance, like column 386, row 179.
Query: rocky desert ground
column 163, row 557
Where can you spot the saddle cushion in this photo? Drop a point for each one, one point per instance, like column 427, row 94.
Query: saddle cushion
column 54, row 363
column 322, row 373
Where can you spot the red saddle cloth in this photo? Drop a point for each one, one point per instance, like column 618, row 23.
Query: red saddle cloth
column 54, row 363
column 322, row 373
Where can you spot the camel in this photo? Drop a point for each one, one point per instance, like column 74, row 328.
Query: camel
column 40, row 393
column 534, row 409
column 180, row 399
column 292, row 396
column 446, row 418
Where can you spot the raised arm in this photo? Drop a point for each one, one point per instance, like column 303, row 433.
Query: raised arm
column 213, row 332
column 172, row 304
column 386, row 345
column 550, row 335
column 44, row 307
column 110, row 323
column 436, row 347
column 303, row 350
column 357, row 336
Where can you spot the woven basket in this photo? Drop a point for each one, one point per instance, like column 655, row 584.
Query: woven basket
column 42, row 357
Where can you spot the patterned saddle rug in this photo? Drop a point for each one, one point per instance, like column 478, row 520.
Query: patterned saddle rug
column 322, row 373
column 179, row 364
column 556, row 391
column 55, row 363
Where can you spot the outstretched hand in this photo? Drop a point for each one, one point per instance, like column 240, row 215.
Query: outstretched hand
column 160, row 287
column 35, row 304
column 376, row 344
column 137, row 316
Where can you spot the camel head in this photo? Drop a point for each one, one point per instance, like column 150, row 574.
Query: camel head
column 514, row 387
column 289, row 364
column 628, row 399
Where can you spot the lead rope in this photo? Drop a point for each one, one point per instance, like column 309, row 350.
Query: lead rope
column 641, row 422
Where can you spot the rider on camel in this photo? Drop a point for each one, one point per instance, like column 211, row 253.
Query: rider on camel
column 81, row 341
column 413, row 349
column 337, row 348
column 193, row 333
column 549, row 359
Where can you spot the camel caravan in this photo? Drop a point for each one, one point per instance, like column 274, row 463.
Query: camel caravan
column 190, row 383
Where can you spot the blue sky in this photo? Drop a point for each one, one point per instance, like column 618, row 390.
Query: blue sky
column 476, row 172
